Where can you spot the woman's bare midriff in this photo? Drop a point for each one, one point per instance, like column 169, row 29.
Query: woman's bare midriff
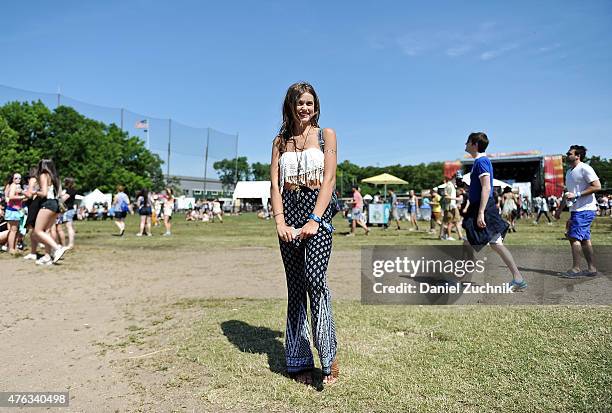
column 293, row 187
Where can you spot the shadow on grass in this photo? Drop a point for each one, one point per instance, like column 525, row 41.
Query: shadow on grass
column 262, row 340
column 257, row 340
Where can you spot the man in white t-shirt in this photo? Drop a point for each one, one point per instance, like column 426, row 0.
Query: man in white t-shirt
column 581, row 182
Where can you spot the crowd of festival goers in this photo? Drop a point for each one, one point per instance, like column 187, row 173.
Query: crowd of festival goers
column 445, row 206
column 43, row 208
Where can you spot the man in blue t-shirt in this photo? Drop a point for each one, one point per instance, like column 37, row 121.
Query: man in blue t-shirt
column 483, row 224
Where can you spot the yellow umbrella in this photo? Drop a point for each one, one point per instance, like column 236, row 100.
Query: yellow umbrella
column 384, row 179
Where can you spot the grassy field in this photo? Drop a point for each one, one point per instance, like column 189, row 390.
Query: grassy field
column 247, row 230
column 396, row 359
column 393, row 358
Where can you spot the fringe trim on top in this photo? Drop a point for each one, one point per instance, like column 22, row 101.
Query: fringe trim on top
column 310, row 178
column 311, row 169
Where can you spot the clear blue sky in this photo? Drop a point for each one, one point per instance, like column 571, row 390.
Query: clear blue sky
column 401, row 82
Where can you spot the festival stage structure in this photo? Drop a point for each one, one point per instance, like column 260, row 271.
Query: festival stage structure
column 544, row 173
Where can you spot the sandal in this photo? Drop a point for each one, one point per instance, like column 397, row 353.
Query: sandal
column 332, row 377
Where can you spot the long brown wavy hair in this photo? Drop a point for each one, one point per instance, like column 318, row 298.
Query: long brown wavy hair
column 47, row 166
column 289, row 114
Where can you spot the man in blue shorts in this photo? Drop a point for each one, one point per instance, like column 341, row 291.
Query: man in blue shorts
column 483, row 224
column 581, row 182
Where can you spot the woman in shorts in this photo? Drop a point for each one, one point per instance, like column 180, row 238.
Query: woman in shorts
column 121, row 205
column 13, row 213
column 70, row 213
column 33, row 202
column 49, row 191
column 168, row 210
column 144, row 202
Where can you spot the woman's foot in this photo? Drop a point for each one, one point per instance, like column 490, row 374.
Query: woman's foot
column 332, row 377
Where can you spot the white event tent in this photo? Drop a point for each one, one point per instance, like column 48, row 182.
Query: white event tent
column 253, row 189
column 96, row 196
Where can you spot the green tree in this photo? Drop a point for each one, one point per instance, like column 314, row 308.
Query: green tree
column 95, row 154
column 13, row 157
column 226, row 169
column 260, row 171
column 603, row 169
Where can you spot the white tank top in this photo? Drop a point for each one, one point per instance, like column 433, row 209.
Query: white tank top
column 303, row 168
column 50, row 192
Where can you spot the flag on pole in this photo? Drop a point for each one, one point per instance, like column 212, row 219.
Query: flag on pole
column 142, row 124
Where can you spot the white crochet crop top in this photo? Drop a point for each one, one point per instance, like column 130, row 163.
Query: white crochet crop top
column 303, row 168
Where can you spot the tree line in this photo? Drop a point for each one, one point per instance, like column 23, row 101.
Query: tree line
column 96, row 155
column 422, row 176
column 419, row 177
column 103, row 156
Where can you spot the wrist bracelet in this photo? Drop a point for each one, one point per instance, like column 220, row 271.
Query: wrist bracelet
column 277, row 214
column 578, row 194
column 329, row 227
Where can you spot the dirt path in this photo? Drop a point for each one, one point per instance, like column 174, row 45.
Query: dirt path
column 53, row 320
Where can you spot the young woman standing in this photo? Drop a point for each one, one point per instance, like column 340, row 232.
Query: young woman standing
column 168, row 210
column 144, row 203
column 33, row 203
column 303, row 175
column 70, row 213
column 13, row 213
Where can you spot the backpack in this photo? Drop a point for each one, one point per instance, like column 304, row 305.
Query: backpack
column 123, row 206
column 335, row 205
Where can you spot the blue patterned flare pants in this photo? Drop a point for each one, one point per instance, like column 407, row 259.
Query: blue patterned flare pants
column 305, row 264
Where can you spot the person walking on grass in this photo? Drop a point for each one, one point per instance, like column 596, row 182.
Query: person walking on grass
column 121, row 205
column 303, row 176
column 436, row 211
column 49, row 191
column 451, row 211
column 543, row 209
column 509, row 207
column 357, row 213
column 582, row 183
column 393, row 201
column 216, row 211
column 483, row 224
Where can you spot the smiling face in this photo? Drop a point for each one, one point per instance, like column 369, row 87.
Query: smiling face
column 305, row 108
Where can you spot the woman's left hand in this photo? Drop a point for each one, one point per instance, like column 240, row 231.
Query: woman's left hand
column 309, row 229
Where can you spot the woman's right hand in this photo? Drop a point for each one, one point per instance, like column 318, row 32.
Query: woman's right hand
column 284, row 232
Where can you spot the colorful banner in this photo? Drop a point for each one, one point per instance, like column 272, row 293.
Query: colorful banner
column 553, row 175
column 451, row 168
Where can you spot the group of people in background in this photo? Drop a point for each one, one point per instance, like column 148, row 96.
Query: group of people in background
column 205, row 210
column 45, row 208
column 152, row 209
column 446, row 205
column 41, row 206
